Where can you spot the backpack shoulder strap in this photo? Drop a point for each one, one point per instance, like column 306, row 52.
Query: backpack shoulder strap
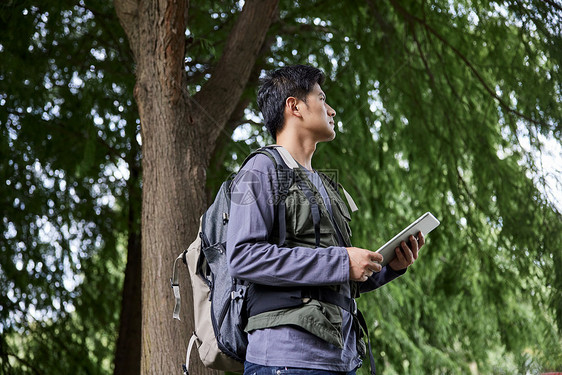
column 285, row 178
column 284, row 165
column 278, row 154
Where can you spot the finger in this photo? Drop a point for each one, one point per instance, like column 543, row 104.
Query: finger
column 421, row 239
column 413, row 243
column 400, row 255
column 376, row 257
column 407, row 253
column 414, row 247
column 415, row 253
column 375, row 267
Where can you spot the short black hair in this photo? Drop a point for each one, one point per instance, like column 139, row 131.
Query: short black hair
column 295, row 80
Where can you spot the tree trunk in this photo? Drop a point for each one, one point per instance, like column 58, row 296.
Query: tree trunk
column 128, row 348
column 127, row 353
column 178, row 137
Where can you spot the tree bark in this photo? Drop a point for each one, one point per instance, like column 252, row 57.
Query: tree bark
column 178, row 136
column 128, row 348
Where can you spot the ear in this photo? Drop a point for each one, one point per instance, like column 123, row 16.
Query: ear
column 291, row 105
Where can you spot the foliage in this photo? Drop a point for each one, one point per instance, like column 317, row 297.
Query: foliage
column 436, row 101
column 69, row 128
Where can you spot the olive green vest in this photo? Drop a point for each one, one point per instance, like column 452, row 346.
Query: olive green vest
column 319, row 318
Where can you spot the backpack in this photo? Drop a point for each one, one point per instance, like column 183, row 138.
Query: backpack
column 219, row 300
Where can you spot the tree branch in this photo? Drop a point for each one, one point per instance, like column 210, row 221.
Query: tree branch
column 420, row 50
column 24, row 362
column 303, row 27
column 554, row 5
column 492, row 93
column 128, row 14
column 103, row 20
column 219, row 96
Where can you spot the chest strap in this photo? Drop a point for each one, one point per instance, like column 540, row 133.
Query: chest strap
column 262, row 298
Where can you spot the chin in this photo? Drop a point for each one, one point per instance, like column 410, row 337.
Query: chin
column 329, row 137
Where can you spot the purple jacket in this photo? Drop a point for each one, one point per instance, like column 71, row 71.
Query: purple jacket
column 251, row 257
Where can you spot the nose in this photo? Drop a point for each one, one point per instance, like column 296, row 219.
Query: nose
column 331, row 111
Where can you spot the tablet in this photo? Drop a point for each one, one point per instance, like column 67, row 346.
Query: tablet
column 425, row 224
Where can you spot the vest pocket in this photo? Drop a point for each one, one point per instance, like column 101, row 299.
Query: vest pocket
column 300, row 224
column 321, row 319
column 342, row 208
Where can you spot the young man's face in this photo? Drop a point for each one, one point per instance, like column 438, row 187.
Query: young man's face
column 318, row 116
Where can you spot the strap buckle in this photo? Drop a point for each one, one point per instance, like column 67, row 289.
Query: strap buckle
column 235, row 294
column 354, row 307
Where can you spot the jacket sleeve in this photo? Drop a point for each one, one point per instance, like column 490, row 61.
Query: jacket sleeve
column 378, row 279
column 251, row 257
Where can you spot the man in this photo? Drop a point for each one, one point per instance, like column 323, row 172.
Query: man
column 301, row 330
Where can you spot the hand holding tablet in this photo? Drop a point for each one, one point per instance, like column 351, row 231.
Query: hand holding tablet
column 424, row 224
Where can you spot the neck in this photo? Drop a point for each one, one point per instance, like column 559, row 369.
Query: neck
column 300, row 148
